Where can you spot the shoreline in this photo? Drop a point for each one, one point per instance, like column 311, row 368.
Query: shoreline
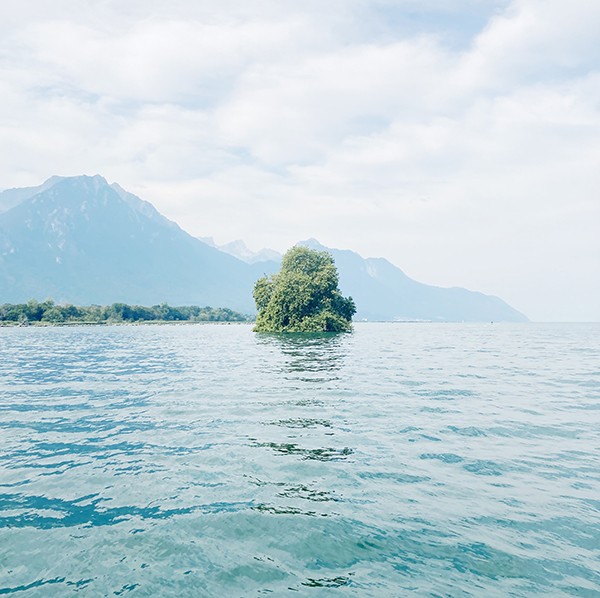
column 138, row 323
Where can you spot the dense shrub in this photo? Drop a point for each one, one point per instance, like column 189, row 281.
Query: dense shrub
column 304, row 296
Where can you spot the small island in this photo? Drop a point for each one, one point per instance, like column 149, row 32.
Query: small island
column 303, row 296
column 48, row 313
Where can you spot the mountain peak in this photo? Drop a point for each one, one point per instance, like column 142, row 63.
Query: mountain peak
column 240, row 250
column 312, row 243
column 95, row 181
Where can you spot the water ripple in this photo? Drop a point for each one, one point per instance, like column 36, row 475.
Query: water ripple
column 402, row 459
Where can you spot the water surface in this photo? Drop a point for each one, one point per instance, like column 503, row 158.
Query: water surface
column 399, row 460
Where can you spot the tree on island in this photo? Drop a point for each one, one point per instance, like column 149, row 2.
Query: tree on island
column 304, row 296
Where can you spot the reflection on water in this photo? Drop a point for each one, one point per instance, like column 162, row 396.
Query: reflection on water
column 318, row 454
column 301, row 422
column 334, row 582
column 314, row 357
column 422, row 460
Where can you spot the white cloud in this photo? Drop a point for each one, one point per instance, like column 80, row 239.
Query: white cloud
column 472, row 165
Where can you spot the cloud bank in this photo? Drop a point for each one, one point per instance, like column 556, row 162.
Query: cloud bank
column 461, row 140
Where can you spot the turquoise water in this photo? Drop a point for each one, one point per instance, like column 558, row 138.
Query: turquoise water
column 399, row 460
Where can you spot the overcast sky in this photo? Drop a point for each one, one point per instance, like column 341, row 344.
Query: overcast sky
column 460, row 139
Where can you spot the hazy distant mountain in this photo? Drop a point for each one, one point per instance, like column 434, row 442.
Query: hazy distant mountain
column 80, row 241
column 84, row 241
column 383, row 292
column 240, row 250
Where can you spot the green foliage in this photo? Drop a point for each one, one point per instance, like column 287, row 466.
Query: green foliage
column 303, row 296
column 47, row 312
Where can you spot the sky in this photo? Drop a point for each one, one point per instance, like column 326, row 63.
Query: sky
column 459, row 139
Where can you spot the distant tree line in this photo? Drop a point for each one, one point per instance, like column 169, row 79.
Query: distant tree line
column 49, row 313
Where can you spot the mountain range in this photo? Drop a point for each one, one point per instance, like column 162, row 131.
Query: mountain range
column 83, row 241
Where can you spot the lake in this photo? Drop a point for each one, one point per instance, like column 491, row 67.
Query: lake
column 409, row 459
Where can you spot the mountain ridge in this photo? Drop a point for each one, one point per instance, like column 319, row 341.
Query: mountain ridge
column 9, row 198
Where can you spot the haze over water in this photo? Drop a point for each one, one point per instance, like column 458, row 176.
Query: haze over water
column 400, row 460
